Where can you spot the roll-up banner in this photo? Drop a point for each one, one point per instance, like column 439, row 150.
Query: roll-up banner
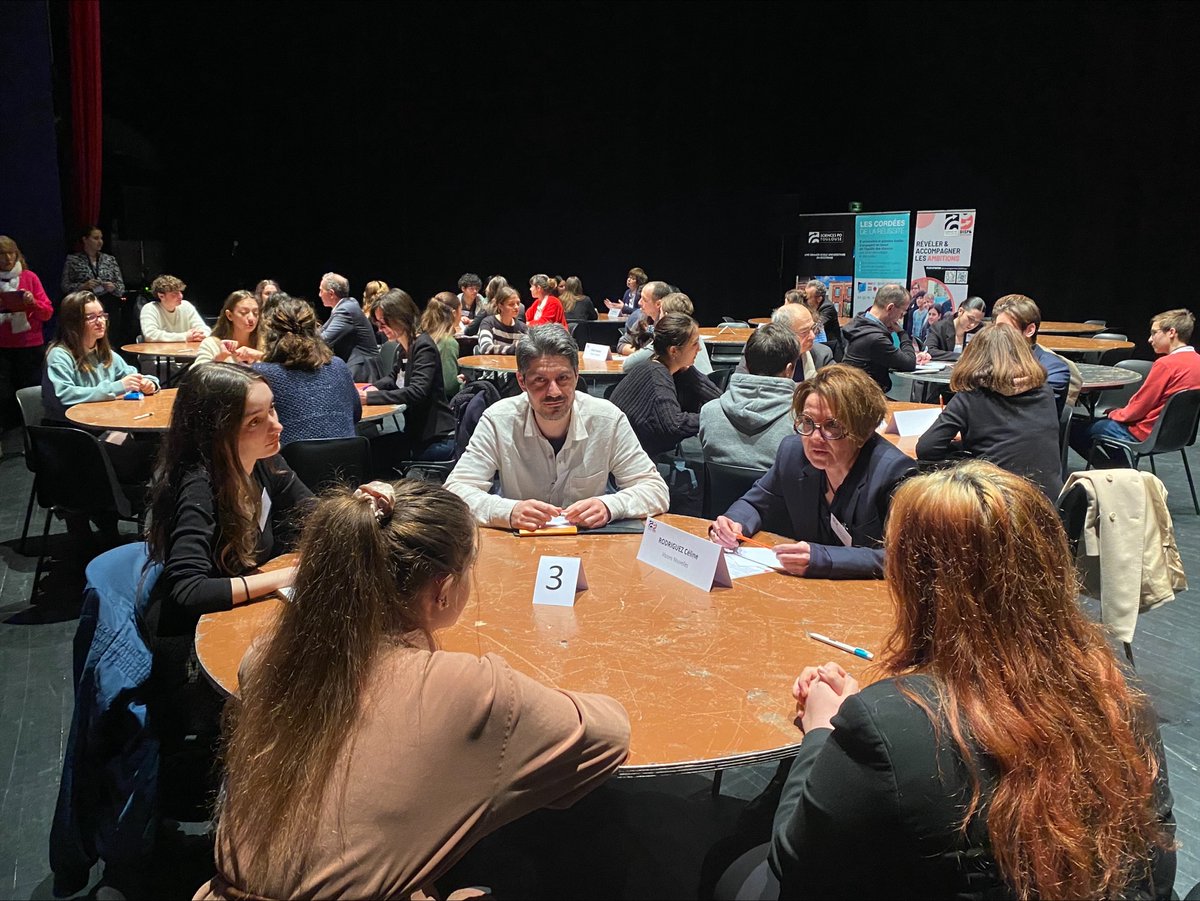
column 880, row 254
column 827, row 254
column 941, row 259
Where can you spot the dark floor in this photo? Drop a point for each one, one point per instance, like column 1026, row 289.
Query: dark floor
column 658, row 829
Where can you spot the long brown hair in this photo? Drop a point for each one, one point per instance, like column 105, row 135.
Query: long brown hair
column 206, row 423
column 440, row 317
column 292, row 339
column 71, row 328
column 224, row 326
column 358, row 591
column 998, row 358
column 985, row 592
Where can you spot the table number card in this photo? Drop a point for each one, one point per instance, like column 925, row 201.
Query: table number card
column 558, row 578
column 595, row 353
column 696, row 560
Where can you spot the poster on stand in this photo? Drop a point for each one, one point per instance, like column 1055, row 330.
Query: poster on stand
column 880, row 254
column 941, row 261
column 827, row 254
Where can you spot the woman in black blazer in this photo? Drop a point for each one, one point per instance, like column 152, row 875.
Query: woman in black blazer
column 837, row 469
column 428, row 422
column 1004, row 755
column 947, row 338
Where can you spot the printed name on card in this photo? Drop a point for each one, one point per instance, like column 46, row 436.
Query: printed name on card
column 696, row 560
column 558, row 579
column 595, row 353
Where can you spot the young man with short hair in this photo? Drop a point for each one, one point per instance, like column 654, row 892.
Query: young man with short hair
column 169, row 317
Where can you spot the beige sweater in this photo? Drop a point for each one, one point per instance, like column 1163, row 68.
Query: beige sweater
column 450, row 748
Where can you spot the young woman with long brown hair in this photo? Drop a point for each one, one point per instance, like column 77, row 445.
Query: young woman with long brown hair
column 440, row 322
column 1004, row 754
column 223, row 502
column 237, row 336
column 361, row 760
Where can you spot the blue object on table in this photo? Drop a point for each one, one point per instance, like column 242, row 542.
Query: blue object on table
column 133, row 395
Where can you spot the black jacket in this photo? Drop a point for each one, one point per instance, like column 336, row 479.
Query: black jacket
column 869, row 346
column 871, row 809
column 940, row 340
column 1018, row 433
column 427, row 415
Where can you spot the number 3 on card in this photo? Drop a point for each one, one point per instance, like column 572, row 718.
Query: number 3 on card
column 558, row 578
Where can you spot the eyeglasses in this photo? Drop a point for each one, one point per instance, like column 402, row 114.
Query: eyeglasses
column 96, row 317
column 831, row 430
column 804, row 333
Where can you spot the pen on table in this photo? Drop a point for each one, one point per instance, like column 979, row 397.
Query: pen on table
column 753, row 542
column 144, row 415
column 842, row 646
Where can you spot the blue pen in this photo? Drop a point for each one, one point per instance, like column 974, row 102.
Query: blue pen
column 841, row 645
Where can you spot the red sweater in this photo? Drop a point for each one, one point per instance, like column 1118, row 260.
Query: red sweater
column 545, row 311
column 40, row 312
column 1170, row 374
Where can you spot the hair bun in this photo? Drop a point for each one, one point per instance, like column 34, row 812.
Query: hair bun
column 381, row 496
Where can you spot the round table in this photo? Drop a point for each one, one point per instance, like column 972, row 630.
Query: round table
column 759, row 320
column 1095, row 377
column 706, row 676
column 1069, row 328
column 163, row 353
column 1073, row 344
column 508, row 363
column 153, row 413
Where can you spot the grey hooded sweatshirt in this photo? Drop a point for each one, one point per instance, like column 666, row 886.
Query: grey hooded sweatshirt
column 743, row 427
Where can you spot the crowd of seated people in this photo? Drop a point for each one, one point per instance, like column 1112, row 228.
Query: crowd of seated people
column 309, row 766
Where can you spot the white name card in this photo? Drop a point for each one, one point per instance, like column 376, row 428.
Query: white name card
column 595, row 353
column 696, row 560
column 614, row 314
column 558, row 578
column 912, row 423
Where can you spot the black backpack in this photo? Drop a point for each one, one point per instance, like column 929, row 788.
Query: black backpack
column 468, row 406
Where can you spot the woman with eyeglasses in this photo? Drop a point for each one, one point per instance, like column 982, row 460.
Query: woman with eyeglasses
column 831, row 483
column 81, row 366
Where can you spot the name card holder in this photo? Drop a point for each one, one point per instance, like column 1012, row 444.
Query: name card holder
column 595, row 353
column 558, row 579
column 683, row 555
column 911, row 423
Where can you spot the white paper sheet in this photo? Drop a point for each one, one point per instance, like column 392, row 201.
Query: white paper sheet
column 751, row 561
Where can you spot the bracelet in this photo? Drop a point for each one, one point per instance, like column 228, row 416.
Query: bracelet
column 245, row 586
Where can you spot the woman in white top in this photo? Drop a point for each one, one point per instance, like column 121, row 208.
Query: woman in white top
column 235, row 338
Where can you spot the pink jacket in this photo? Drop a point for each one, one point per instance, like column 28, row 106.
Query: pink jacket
column 38, row 314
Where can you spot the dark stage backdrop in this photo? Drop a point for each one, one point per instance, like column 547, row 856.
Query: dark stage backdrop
column 412, row 142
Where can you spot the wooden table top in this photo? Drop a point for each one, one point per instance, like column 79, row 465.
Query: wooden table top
column 1069, row 328
column 759, row 320
column 130, row 415
column 175, row 349
column 508, row 363
column 1074, row 344
column 706, row 676
column 723, row 334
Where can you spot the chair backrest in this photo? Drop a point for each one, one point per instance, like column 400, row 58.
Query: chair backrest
column 720, row 377
column 387, row 357
column 1175, row 428
column 1114, row 398
column 1064, row 432
column 1110, row 336
column 595, row 332
column 736, row 323
column 1072, row 509
column 724, row 484
column 30, row 402
column 321, row 462
column 75, row 473
column 468, row 406
column 1095, row 322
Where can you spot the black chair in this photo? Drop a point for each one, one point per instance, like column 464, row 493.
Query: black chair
column 1101, row 322
column 75, row 476
column 32, row 411
column 720, row 377
column 597, row 331
column 387, row 356
column 427, row 470
column 724, row 484
column 321, row 462
column 1110, row 336
column 1064, row 434
column 734, row 323
column 1174, row 430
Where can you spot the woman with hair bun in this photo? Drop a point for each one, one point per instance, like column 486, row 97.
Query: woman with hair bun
column 314, row 391
column 1004, row 754
column 362, row 761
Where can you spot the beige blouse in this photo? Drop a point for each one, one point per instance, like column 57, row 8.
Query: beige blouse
column 450, row 748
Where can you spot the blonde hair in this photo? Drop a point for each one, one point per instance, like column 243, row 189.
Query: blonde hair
column 373, row 291
column 1181, row 320
column 440, row 319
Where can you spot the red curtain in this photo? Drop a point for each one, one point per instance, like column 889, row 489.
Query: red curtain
column 86, row 111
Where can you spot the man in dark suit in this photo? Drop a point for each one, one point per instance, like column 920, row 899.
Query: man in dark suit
column 813, row 356
column 348, row 333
